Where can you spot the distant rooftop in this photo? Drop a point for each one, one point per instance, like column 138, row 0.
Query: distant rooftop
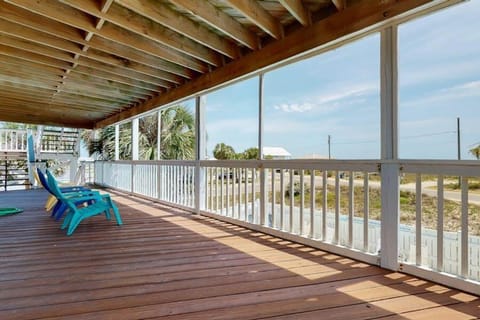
column 276, row 152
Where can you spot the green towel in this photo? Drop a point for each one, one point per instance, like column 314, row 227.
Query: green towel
column 8, row 211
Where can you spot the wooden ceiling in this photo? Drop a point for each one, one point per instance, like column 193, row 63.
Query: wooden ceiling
column 91, row 63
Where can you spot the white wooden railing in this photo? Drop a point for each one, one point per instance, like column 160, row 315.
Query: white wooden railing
column 13, row 140
column 52, row 141
column 336, row 206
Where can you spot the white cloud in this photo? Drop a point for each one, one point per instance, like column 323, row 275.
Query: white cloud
column 295, row 107
column 469, row 88
column 446, row 95
column 331, row 100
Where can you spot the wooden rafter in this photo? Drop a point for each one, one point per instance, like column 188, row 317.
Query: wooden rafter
column 220, row 21
column 77, row 19
column 157, row 33
column 340, row 4
column 259, row 16
column 298, row 10
column 166, row 16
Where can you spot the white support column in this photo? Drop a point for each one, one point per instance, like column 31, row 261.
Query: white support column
column 260, row 116
column 389, row 93
column 135, row 138
column 389, row 149
column 159, row 135
column 117, row 142
column 263, row 176
column 200, row 153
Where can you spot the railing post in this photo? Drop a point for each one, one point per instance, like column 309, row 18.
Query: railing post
column 132, row 179
column 117, row 142
column 390, row 216
column 135, row 139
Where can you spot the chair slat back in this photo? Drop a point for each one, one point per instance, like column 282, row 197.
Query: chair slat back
column 53, row 185
column 43, row 180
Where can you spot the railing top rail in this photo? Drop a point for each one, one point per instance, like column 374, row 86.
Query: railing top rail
column 309, row 164
column 152, row 162
column 445, row 167
column 441, row 167
column 13, row 130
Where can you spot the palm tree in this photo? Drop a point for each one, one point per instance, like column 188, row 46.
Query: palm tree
column 250, row 153
column 476, row 152
column 223, row 151
column 148, row 137
column 177, row 140
column 177, row 137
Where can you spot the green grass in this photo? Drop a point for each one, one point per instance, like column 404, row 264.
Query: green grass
column 452, row 209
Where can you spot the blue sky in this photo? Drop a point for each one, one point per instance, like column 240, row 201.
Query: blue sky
column 337, row 93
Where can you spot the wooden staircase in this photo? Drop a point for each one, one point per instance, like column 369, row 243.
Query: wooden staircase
column 20, row 153
column 14, row 171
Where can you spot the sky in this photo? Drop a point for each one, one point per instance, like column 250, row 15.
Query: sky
column 338, row 94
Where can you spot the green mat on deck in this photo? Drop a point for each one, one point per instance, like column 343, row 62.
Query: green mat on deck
column 8, row 211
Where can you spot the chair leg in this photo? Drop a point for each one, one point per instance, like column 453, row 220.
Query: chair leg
column 61, row 210
column 50, row 203
column 115, row 212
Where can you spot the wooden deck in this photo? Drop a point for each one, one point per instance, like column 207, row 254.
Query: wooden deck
column 165, row 263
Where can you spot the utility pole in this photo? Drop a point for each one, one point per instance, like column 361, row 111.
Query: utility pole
column 458, row 138
column 458, row 150
column 329, row 154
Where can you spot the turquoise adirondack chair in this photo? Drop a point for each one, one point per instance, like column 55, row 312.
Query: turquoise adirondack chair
column 93, row 204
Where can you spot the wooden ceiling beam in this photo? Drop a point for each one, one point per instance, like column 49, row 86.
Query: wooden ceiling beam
column 86, row 70
column 35, row 113
column 27, row 66
column 298, row 10
column 169, row 18
column 132, row 40
column 32, row 57
column 219, row 20
column 34, row 99
column 19, row 80
column 110, row 32
column 7, row 70
column 38, row 95
column 40, row 69
column 86, row 81
column 87, row 100
column 129, row 20
column 100, row 90
column 340, row 4
column 353, row 19
column 132, row 60
column 254, row 12
column 30, row 20
column 67, row 109
column 65, row 14
column 68, row 98
column 35, row 48
column 96, row 62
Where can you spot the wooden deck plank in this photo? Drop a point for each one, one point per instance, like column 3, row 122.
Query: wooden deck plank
column 166, row 263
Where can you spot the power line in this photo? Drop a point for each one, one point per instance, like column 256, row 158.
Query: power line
column 401, row 138
column 429, row 134
column 357, row 142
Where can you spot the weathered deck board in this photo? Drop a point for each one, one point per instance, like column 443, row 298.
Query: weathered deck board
column 166, row 263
